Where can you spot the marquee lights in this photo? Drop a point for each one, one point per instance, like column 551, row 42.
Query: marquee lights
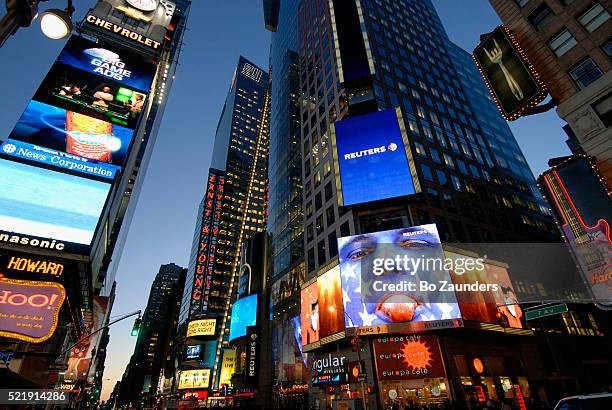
column 530, row 68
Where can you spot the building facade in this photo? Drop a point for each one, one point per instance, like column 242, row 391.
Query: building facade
column 568, row 42
column 133, row 92
column 234, row 207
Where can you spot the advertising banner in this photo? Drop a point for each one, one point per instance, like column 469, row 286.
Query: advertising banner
column 228, row 365
column 513, row 81
column 408, row 357
column 193, row 352
column 392, row 281
column 373, row 150
column 92, row 95
column 330, row 301
column 194, row 379
column 310, row 314
column 244, row 314
column 74, row 133
column 29, row 266
column 108, row 62
column 151, row 21
column 253, row 352
column 202, row 327
column 48, row 204
column 29, row 310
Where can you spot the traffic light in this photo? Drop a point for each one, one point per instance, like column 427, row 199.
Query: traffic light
column 136, row 327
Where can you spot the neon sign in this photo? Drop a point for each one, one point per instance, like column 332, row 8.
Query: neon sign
column 35, row 266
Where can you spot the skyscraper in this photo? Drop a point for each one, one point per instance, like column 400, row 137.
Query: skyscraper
column 234, row 204
column 157, row 330
column 106, row 93
column 379, row 57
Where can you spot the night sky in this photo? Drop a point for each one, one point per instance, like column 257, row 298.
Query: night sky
column 218, row 32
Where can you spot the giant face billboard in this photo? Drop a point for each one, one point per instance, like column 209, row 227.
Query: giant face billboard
column 46, row 203
column 149, row 19
column 74, row 133
column 397, row 281
column 29, row 310
column 512, row 80
column 244, row 313
column 108, row 62
column 372, row 151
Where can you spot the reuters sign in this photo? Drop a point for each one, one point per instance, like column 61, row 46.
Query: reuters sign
column 204, row 327
column 29, row 310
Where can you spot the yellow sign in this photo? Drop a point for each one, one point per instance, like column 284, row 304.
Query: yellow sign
column 35, row 266
column 228, row 364
column 203, row 327
column 194, row 379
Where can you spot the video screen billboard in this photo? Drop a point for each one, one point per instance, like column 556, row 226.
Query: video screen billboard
column 387, row 280
column 49, row 204
column 490, row 305
column 193, row 352
column 372, row 151
column 74, row 133
column 244, row 313
column 107, row 62
column 93, row 95
column 330, row 301
column 512, row 80
column 310, row 314
column 194, row 379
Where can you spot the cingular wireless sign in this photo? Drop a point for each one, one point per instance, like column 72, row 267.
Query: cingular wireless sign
column 329, row 364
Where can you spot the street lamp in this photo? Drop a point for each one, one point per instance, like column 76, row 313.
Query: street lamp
column 57, row 24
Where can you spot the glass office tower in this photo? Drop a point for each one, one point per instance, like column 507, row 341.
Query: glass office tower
column 285, row 222
column 234, row 204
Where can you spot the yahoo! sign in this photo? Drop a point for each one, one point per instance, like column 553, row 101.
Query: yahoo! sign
column 29, row 310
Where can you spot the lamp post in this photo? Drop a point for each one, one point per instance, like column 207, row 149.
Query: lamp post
column 54, row 23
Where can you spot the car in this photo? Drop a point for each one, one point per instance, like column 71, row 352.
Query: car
column 598, row 401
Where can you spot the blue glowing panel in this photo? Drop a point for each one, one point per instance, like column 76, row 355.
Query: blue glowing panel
column 244, row 313
column 372, row 159
column 49, row 204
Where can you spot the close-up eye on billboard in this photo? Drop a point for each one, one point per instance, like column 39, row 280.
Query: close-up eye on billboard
column 244, row 313
column 372, row 151
column 107, row 62
column 93, row 95
column 513, row 81
column 49, row 204
column 387, row 280
column 74, row 133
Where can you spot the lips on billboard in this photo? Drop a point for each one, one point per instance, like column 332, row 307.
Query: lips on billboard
column 372, row 151
column 29, row 310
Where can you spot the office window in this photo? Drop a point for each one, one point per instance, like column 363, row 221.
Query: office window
column 420, row 149
column 585, row 73
column 541, row 16
column 427, row 172
column 562, row 42
column 607, row 48
column 603, row 108
column 521, row 3
column 594, row 17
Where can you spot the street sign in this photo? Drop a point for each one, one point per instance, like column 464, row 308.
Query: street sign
column 545, row 311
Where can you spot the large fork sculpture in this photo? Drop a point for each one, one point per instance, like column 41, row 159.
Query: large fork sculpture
column 495, row 56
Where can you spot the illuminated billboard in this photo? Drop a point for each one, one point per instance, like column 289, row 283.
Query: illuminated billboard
column 372, row 151
column 408, row 357
column 193, row 352
column 49, row 204
column 492, row 305
column 228, row 366
column 194, row 379
column 150, row 20
column 310, row 314
column 513, row 81
column 93, row 95
column 330, row 302
column 73, row 133
column 244, row 313
column 203, row 327
column 108, row 62
column 397, row 281
column 29, row 310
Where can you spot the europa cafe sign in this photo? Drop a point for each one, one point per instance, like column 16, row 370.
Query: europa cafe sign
column 29, row 310
column 122, row 31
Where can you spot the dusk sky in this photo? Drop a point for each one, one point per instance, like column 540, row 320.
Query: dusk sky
column 218, row 32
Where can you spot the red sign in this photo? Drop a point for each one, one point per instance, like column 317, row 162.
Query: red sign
column 408, row 357
column 29, row 309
